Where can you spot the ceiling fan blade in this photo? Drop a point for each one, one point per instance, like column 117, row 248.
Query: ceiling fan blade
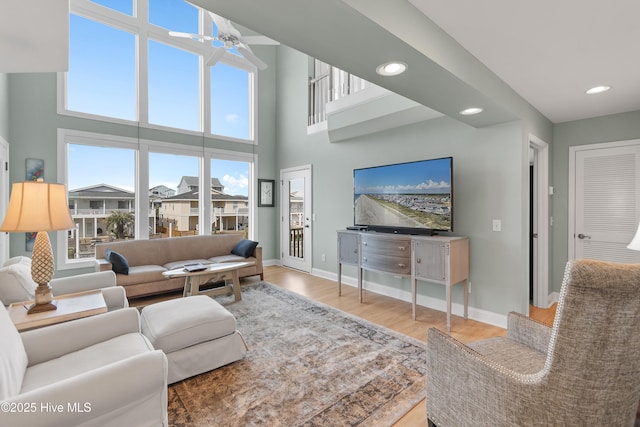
column 249, row 56
column 189, row 35
column 259, row 40
column 214, row 57
column 224, row 25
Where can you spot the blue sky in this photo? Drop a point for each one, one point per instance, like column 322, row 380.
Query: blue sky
column 432, row 176
column 102, row 81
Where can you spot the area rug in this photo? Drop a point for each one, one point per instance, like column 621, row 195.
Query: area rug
column 308, row 364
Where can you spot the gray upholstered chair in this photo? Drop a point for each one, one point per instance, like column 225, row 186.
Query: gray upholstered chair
column 584, row 371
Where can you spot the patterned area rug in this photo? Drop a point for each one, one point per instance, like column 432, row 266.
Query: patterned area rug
column 308, row 365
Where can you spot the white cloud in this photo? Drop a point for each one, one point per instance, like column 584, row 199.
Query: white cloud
column 233, row 185
column 232, row 117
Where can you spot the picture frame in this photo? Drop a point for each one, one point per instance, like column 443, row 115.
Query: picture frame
column 34, row 169
column 266, row 193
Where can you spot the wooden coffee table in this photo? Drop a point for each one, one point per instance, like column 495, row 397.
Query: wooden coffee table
column 213, row 273
column 70, row 307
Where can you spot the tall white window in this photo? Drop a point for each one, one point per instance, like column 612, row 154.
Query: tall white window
column 125, row 67
column 102, row 174
column 102, row 69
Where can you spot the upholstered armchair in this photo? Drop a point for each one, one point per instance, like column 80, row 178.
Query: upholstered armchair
column 98, row 371
column 584, row 371
column 16, row 284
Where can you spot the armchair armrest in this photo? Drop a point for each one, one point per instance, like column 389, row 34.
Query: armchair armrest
column 529, row 332
column 103, row 265
column 54, row 341
column 115, row 297
column 463, row 385
column 83, row 282
column 100, row 397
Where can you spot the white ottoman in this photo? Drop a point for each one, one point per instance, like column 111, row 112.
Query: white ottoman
column 196, row 333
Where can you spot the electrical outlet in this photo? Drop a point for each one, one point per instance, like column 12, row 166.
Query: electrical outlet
column 324, row 258
column 497, row 225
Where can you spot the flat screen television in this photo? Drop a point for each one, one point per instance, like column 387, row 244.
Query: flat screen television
column 405, row 198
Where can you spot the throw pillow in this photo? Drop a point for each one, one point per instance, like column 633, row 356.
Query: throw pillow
column 16, row 284
column 119, row 263
column 244, row 248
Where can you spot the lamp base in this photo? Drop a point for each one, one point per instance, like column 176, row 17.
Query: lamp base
column 39, row 308
column 44, row 299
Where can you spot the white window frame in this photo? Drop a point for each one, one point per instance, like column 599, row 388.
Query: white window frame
column 143, row 147
column 139, row 25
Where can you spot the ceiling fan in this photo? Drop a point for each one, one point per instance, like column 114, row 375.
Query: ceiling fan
column 231, row 38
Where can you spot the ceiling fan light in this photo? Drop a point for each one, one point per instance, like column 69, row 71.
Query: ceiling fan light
column 471, row 111
column 391, row 68
column 597, row 89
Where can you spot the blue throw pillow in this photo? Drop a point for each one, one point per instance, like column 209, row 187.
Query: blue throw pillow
column 244, row 248
column 119, row 263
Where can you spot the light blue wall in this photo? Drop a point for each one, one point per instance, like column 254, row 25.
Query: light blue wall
column 617, row 127
column 33, row 123
column 490, row 168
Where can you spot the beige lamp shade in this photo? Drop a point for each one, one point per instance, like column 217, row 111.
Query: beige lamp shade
column 635, row 243
column 37, row 206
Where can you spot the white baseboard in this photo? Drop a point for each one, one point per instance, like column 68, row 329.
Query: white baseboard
column 553, row 298
column 480, row 315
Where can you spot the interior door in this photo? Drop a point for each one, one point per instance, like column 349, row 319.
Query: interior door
column 296, row 222
column 607, row 201
column 4, row 197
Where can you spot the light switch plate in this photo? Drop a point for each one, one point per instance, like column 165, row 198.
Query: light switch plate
column 497, row 225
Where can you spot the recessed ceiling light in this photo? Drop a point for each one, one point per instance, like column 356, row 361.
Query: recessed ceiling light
column 471, row 111
column 597, row 89
column 391, row 68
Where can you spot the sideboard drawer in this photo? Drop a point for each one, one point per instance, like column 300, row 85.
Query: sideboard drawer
column 386, row 263
column 389, row 246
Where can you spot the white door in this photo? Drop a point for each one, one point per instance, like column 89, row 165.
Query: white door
column 295, row 197
column 4, row 197
column 606, row 205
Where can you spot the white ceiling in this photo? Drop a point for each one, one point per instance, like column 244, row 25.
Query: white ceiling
column 551, row 51
column 546, row 51
column 34, row 36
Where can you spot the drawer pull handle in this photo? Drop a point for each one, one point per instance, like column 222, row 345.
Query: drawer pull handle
column 364, row 258
column 401, row 265
column 364, row 243
column 418, row 261
column 402, row 248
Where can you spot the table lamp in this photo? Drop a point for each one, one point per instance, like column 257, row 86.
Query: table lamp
column 39, row 206
column 635, row 243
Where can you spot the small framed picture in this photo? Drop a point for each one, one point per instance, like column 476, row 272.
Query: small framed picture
column 266, row 193
column 34, row 169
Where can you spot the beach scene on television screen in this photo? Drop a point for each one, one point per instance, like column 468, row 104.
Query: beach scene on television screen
column 416, row 194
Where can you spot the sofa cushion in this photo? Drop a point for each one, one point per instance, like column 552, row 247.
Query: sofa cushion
column 244, row 248
column 118, row 262
column 85, row 360
column 142, row 274
column 13, row 358
column 16, row 283
column 179, row 323
column 228, row 258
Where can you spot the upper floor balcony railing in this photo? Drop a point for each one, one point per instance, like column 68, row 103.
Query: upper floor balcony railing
column 329, row 86
column 98, row 211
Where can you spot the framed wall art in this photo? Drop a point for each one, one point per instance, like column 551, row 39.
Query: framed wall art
column 266, row 193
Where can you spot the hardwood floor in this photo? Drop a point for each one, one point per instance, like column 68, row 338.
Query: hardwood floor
column 391, row 313
column 385, row 311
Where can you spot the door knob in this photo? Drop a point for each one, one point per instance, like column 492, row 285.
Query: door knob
column 583, row 236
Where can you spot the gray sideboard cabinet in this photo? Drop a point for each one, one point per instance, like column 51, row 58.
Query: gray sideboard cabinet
column 436, row 259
